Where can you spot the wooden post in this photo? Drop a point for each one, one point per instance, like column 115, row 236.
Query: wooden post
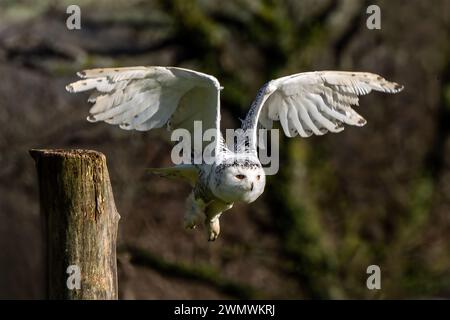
column 80, row 218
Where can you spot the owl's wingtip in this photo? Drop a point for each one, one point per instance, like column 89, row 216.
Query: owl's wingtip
column 398, row 87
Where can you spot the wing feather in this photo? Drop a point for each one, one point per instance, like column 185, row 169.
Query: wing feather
column 293, row 115
column 304, row 114
column 143, row 98
column 313, row 102
column 283, row 115
column 319, row 118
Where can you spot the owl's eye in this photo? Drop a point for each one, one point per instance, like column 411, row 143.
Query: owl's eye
column 258, row 177
column 240, row 176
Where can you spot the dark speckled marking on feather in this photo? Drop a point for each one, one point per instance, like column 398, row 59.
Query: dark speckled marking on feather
column 201, row 189
column 242, row 163
column 250, row 120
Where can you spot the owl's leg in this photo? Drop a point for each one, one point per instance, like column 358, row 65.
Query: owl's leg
column 195, row 211
column 213, row 212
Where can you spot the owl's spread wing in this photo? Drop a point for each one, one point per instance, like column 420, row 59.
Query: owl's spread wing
column 313, row 102
column 143, row 98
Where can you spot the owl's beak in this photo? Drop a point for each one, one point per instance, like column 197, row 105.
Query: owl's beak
column 251, row 188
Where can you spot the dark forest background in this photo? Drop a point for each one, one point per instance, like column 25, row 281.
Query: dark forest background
column 341, row 202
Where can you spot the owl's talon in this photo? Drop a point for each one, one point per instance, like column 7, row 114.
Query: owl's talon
column 213, row 229
column 190, row 223
column 213, row 236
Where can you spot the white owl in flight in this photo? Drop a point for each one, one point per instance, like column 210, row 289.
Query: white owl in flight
column 144, row 98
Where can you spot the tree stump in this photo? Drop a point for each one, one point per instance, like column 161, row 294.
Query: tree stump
column 80, row 221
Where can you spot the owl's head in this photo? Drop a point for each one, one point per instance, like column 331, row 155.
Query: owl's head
column 239, row 179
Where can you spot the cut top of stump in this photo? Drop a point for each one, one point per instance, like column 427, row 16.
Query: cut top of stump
column 67, row 153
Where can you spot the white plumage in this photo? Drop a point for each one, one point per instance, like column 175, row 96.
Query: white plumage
column 143, row 98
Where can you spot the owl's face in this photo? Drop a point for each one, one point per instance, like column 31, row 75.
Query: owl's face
column 239, row 181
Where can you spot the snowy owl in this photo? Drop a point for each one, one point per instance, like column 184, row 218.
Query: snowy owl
column 144, row 98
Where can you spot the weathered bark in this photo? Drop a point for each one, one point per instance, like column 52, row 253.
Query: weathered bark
column 80, row 221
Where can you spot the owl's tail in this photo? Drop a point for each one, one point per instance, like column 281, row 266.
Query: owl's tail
column 185, row 172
